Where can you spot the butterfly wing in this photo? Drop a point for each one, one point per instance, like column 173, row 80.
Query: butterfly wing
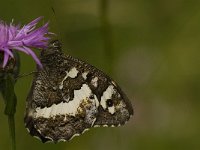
column 68, row 96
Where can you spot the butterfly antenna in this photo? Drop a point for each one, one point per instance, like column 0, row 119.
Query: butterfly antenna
column 106, row 31
column 25, row 74
column 56, row 23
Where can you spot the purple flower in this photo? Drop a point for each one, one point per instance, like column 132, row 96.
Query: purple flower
column 22, row 39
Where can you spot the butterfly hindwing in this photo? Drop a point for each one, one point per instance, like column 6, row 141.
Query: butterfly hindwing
column 69, row 96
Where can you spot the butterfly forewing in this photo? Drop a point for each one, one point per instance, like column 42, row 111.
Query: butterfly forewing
column 68, row 96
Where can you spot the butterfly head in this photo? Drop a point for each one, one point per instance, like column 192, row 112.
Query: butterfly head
column 53, row 48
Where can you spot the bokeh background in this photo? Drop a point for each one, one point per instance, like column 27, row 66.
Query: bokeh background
column 151, row 48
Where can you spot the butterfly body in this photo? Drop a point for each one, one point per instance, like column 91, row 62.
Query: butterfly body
column 69, row 96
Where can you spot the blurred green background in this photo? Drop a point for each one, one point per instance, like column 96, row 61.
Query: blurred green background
column 151, row 48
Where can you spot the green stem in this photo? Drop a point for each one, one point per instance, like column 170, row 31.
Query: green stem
column 107, row 35
column 11, row 123
column 10, row 99
column 8, row 79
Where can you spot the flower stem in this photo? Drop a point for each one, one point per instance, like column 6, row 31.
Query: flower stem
column 8, row 79
column 107, row 34
column 11, row 123
column 10, row 100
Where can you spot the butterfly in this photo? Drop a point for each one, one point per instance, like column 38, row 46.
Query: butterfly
column 69, row 96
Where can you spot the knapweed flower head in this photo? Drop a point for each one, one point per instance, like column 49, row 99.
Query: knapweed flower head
column 14, row 37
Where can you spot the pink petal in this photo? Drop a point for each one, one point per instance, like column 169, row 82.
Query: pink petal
column 34, row 22
column 5, row 60
column 8, row 52
column 22, row 49
column 15, row 43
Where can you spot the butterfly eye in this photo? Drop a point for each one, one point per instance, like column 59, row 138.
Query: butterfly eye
column 109, row 102
column 91, row 96
column 56, row 44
